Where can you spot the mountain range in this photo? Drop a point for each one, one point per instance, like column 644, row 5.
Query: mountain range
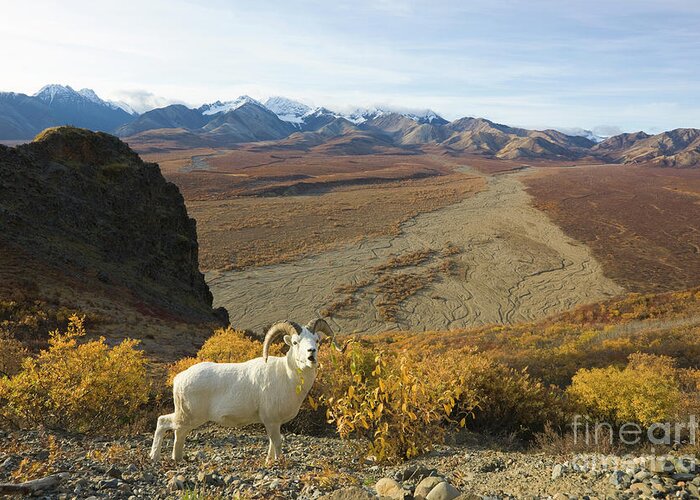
column 291, row 124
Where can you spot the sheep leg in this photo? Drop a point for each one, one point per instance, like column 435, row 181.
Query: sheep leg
column 165, row 423
column 180, row 435
column 275, row 450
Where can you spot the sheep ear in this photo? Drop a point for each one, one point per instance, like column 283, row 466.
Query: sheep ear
column 288, row 340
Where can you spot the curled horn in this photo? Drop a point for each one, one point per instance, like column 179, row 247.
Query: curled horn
column 281, row 328
column 320, row 325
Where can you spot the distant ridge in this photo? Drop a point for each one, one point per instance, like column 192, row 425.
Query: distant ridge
column 244, row 119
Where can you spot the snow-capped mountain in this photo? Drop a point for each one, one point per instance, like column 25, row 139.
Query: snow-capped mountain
column 422, row 116
column 224, row 107
column 362, row 115
column 66, row 94
column 425, row 116
column 288, row 110
column 24, row 116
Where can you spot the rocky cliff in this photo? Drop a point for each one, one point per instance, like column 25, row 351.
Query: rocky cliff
column 86, row 204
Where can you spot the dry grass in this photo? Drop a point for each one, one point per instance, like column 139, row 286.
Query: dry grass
column 254, row 231
column 410, row 259
column 640, row 222
column 392, row 284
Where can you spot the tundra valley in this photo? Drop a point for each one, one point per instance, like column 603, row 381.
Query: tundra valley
column 403, row 283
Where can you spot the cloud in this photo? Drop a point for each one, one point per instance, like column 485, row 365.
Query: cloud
column 143, row 100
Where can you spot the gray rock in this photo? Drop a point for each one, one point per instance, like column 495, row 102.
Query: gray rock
column 642, row 476
column 558, row 471
column 661, row 466
column 683, row 466
column 8, row 464
column 443, row 491
column 147, row 477
column 425, row 486
column 206, row 478
column 414, row 473
column 114, row 472
column 108, row 484
column 351, row 493
column 177, row 483
column 619, row 479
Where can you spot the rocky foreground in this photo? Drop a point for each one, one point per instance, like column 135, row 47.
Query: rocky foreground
column 222, row 463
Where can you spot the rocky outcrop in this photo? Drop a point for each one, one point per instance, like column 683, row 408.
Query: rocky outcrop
column 86, row 204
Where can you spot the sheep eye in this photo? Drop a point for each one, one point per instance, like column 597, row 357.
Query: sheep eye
column 294, row 343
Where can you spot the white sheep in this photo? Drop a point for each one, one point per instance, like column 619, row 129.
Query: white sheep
column 268, row 391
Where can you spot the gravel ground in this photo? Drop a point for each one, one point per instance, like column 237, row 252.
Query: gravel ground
column 230, row 463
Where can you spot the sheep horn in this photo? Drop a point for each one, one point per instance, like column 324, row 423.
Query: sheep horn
column 283, row 327
column 321, row 325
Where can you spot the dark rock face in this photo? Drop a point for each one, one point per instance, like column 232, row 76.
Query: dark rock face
column 85, row 202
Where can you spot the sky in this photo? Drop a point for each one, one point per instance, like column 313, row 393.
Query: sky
column 607, row 66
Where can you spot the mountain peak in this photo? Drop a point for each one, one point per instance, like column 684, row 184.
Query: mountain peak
column 225, row 107
column 53, row 91
column 287, row 109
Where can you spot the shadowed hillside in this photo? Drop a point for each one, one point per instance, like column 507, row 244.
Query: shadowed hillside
column 82, row 207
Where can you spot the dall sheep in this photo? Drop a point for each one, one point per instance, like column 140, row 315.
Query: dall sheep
column 261, row 390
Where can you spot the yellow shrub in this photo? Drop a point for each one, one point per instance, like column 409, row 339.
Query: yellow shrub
column 12, row 352
column 226, row 345
column 392, row 408
column 78, row 387
column 493, row 396
column 645, row 391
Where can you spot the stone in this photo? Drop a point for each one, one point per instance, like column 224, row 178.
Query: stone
column 7, row 464
column 114, row 472
column 425, row 486
column 683, row 466
column 661, row 466
column 619, row 479
column 557, row 471
column 108, row 484
column 641, row 488
column 177, row 483
column 206, row 478
column 147, row 477
column 388, row 487
column 351, row 493
column 443, row 491
column 414, row 473
column 693, row 489
column 683, row 477
column 642, row 476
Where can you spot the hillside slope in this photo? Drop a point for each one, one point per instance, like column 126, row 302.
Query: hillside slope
column 82, row 206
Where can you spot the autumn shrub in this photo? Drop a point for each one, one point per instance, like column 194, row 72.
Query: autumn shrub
column 647, row 390
column 392, row 409
column 75, row 386
column 226, row 345
column 493, row 397
column 12, row 352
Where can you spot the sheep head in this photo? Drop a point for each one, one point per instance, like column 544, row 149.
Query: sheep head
column 320, row 326
column 303, row 342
